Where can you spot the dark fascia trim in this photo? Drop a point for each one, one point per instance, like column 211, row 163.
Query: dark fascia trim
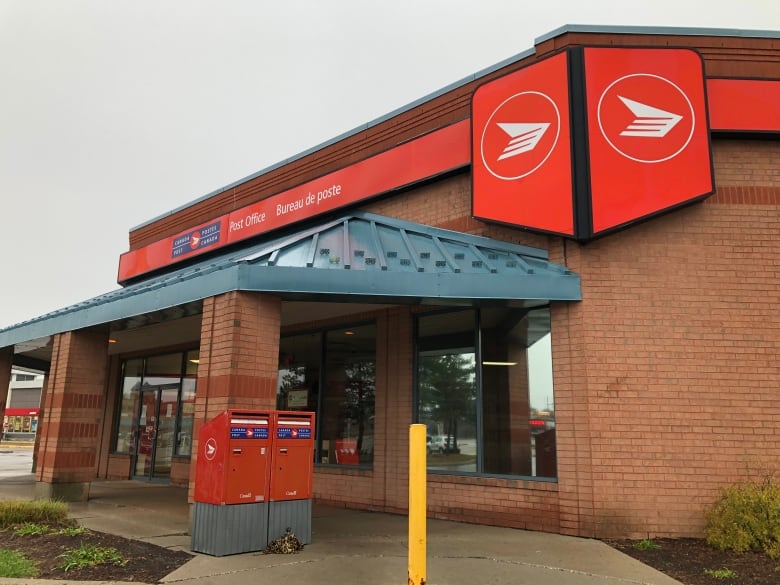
column 656, row 30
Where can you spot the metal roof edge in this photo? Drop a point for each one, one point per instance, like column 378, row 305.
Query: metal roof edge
column 409, row 285
column 657, row 30
column 104, row 309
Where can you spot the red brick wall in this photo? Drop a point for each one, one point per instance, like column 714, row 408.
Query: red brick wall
column 239, row 358
column 666, row 376
column 118, row 466
column 73, row 413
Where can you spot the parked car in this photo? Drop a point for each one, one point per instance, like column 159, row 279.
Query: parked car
column 435, row 444
column 441, row 444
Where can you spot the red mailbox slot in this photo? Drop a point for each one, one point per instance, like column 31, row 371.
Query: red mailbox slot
column 233, row 458
column 292, row 464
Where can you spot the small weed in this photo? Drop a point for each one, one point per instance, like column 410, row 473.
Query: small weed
column 91, row 556
column 31, row 529
column 646, row 544
column 14, row 564
column 72, row 531
column 720, row 573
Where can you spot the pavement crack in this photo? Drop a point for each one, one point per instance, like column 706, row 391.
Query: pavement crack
column 548, row 568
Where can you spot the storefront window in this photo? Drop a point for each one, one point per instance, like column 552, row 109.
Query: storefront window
column 160, row 391
column 131, row 384
column 341, row 392
column 347, row 428
column 299, row 372
column 499, row 420
column 187, row 410
column 447, row 389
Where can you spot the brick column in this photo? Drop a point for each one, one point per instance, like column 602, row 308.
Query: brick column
column 6, row 360
column 239, row 357
column 41, row 412
column 72, row 416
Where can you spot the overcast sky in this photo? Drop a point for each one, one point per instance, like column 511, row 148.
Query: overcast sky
column 114, row 112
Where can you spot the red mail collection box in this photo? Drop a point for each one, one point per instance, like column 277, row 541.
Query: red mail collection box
column 292, row 463
column 234, row 451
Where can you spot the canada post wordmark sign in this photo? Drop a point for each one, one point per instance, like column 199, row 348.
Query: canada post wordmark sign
column 648, row 137
column 521, row 151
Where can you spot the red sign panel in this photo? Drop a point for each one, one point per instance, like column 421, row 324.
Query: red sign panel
column 435, row 153
column 744, row 105
column 648, row 139
column 521, row 153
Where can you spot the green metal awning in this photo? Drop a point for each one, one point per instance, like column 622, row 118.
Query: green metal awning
column 359, row 257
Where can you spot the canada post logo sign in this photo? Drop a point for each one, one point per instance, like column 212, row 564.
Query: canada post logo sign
column 521, row 160
column 202, row 237
column 648, row 139
column 520, row 135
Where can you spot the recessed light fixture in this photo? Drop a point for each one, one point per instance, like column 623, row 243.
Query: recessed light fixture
column 349, row 333
column 112, row 340
column 499, row 363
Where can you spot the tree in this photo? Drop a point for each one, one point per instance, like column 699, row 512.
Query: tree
column 448, row 392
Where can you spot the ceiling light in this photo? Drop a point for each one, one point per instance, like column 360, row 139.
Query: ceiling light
column 349, row 333
column 112, row 340
column 499, row 363
column 196, row 361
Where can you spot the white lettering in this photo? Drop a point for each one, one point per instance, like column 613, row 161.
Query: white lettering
column 329, row 192
column 292, row 493
column 283, row 208
column 255, row 218
column 236, row 225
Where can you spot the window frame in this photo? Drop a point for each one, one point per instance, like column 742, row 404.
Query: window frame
column 480, row 426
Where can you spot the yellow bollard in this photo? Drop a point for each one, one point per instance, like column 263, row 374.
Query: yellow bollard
column 417, row 504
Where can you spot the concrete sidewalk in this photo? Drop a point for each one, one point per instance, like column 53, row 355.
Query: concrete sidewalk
column 352, row 547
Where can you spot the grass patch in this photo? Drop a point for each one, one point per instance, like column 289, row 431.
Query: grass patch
column 646, row 544
column 31, row 529
column 48, row 512
column 90, row 556
column 14, row 564
column 72, row 531
column 720, row 573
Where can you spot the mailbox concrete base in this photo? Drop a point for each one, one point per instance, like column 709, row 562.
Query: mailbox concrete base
column 293, row 514
column 229, row 529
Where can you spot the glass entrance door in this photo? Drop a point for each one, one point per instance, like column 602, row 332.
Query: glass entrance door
column 154, row 436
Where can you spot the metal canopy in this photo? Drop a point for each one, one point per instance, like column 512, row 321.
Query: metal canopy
column 360, row 257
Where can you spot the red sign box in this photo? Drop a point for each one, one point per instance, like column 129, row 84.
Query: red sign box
column 435, row 153
column 648, row 138
column 744, row 105
column 521, row 154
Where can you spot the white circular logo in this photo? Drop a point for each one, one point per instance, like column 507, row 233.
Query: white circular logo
column 520, row 135
column 646, row 118
column 210, row 449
